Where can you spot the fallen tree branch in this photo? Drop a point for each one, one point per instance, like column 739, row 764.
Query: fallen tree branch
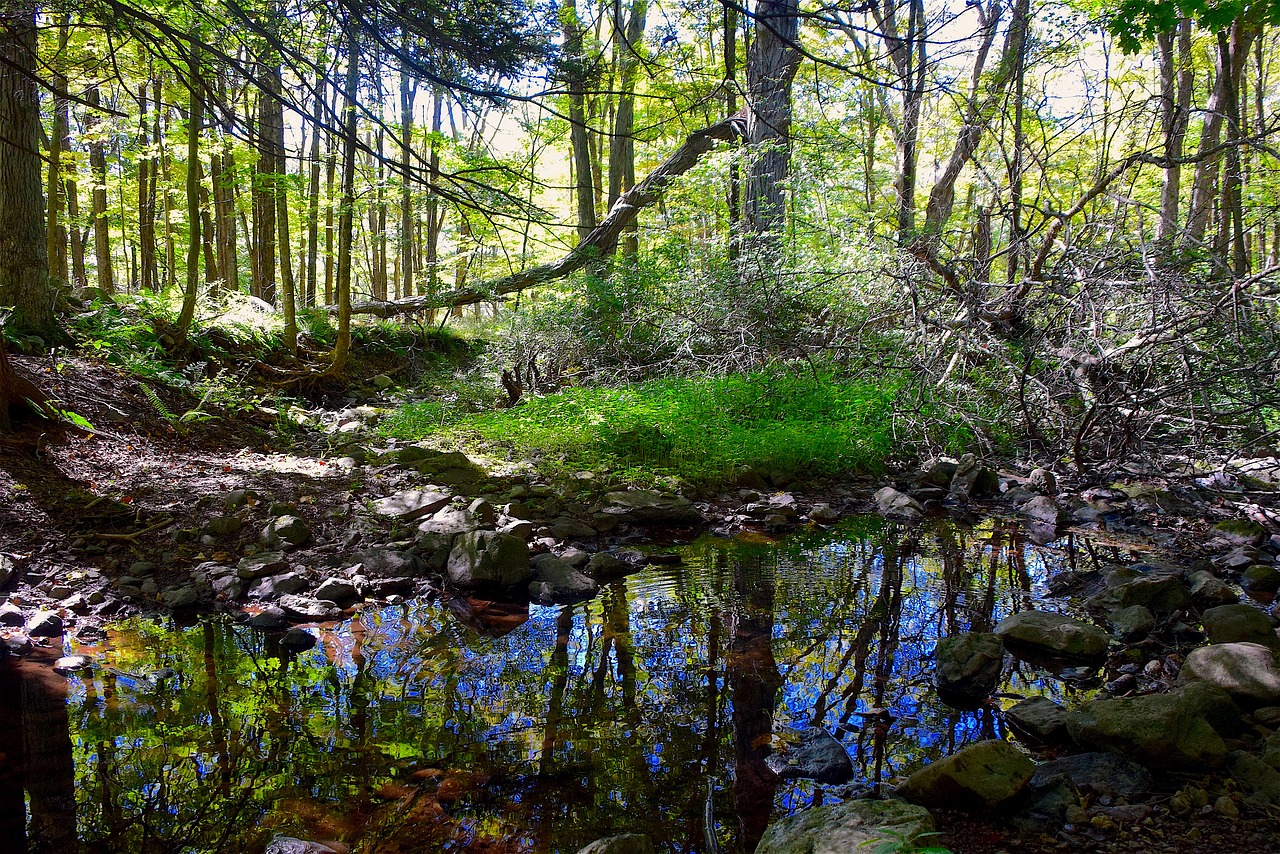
column 602, row 240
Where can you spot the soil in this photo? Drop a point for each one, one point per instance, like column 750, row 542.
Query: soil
column 82, row 506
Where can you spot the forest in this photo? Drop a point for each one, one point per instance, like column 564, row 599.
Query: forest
column 646, row 425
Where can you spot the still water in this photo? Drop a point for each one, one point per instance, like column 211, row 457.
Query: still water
column 456, row 725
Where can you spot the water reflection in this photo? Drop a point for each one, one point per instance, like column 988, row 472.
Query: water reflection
column 481, row 726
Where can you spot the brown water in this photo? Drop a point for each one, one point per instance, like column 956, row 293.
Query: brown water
column 471, row 726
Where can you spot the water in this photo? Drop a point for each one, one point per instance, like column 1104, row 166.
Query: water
column 472, row 726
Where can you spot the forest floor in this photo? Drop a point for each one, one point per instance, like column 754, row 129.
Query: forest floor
column 82, row 507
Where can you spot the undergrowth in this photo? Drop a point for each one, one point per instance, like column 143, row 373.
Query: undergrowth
column 706, row 432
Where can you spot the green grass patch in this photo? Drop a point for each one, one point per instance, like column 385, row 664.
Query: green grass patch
column 705, row 432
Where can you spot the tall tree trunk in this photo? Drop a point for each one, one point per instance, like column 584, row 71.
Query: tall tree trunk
column 908, row 51
column 771, row 66
column 628, row 36
column 380, row 217
column 98, row 169
column 330, row 177
column 1204, row 181
column 148, row 271
column 24, row 262
column 1176, row 86
column 313, row 199
column 435, row 213
column 195, row 124
column 265, row 182
column 408, row 93
column 575, row 70
column 733, row 196
column 49, row 767
column 346, row 211
column 59, row 141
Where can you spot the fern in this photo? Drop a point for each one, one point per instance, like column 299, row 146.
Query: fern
column 157, row 403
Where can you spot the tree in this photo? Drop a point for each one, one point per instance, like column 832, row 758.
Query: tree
column 772, row 61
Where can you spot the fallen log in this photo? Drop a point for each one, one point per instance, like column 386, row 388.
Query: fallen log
column 602, row 240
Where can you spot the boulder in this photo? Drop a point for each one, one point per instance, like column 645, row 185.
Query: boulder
column 1260, row 578
column 1208, row 590
column 1160, row 591
column 306, row 608
column 44, row 624
column 187, row 596
column 297, row 640
column 271, row 619
column 338, row 590
column 1047, row 633
column 227, row 587
column 386, row 562
column 935, row 473
column 260, row 565
column 985, row 773
column 274, row 586
column 489, row 558
column 289, row 845
column 1157, row 730
column 11, row 615
column 973, row 480
column 412, row 504
column 1239, row 623
column 287, row 531
column 1255, row 776
column 1043, row 509
column 626, row 843
column 449, row 521
column 823, row 514
column 898, row 505
column 1249, row 672
column 1038, row 720
column 1132, row 623
column 555, row 581
column 1100, row 773
column 968, row 668
column 1042, row 481
column 849, row 826
column 1241, row 532
column 648, row 507
column 567, row 527
column 223, row 526
column 818, row 756
column 605, row 565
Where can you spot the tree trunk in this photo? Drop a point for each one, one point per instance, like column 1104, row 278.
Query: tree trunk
column 149, row 271
column 771, row 66
column 733, row 194
column 575, row 70
column 628, row 36
column 59, row 141
column 346, row 213
column 195, row 123
column 24, row 262
column 1176, row 86
column 408, row 93
column 435, row 213
column 98, row 169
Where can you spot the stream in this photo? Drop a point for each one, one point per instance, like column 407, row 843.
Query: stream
column 457, row 724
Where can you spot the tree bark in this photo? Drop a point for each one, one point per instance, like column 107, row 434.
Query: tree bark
column 148, row 270
column 628, row 36
column 575, row 76
column 98, row 169
column 195, row 124
column 408, row 94
column 1176, row 86
column 771, row 66
column 346, row 211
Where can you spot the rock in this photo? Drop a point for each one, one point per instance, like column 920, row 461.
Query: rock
column 1157, row 730
column 72, row 663
column 414, row 454
column 412, row 504
column 985, row 773
column 1161, row 592
column 298, row 640
column 823, row 514
column 487, row 557
column 261, row 565
column 849, row 826
column 382, row 382
column 18, row 645
column 289, row 845
column 1241, row 532
column 1045, row 804
column 898, row 505
column 936, row 473
column 181, row 597
column 271, row 618
column 1100, row 773
column 648, row 507
column 818, row 757
column 286, row 531
column 626, row 843
column 223, row 526
column 1047, row 633
column 1208, row 590
column 237, row 498
column 142, row 568
column 274, row 586
column 306, row 608
column 1132, row 623
column 973, row 480
column 1255, row 776
column 1239, row 623
column 1044, row 509
column 11, row 615
column 521, row 528
column 338, row 590
column 1260, row 578
column 227, row 587
column 1042, row 481
column 605, row 565
column 1038, row 720
column 567, row 527
column 385, row 562
column 555, row 581
column 968, row 668
column 1248, row 672
column 449, row 521
column 44, row 624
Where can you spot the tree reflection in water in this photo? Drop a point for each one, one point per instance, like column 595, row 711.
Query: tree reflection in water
column 478, row 725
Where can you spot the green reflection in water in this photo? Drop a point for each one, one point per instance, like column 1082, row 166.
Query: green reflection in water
column 477, row 726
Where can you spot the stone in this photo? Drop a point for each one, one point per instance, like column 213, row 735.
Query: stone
column 567, row 527
column 1239, row 623
column 8, row 569
column 414, row 454
column 1132, row 623
column 142, row 568
column 289, row 845
column 72, row 663
column 605, row 565
column 521, row 528
column 898, row 505
column 1249, row 672
column 44, row 624
column 386, row 562
column 625, row 843
column 338, row 590
column 1260, row 578
column 936, row 473
column 11, row 615
column 973, row 480
column 648, row 507
column 823, row 514
column 450, row 521
column 1043, row 509
column 489, row 558
column 1038, row 720
column 1160, row 591
column 237, row 498
column 382, row 382
column 1045, row 804
column 223, row 526
column 298, row 640
column 849, row 826
column 985, row 773
column 1043, row 481
column 1255, row 776
column 968, row 667
column 483, row 512
column 304, row 607
column 1108, row 774
column 287, row 531
column 1241, row 532
column 181, row 597
column 227, row 587
column 412, row 504
column 274, row 586
column 555, row 581
column 271, row 618
column 818, row 756
column 1157, row 730
column 261, row 565
column 1208, row 590
column 1047, row 633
